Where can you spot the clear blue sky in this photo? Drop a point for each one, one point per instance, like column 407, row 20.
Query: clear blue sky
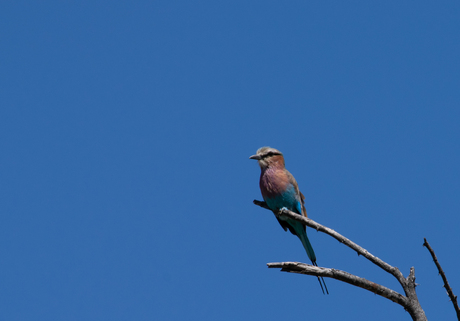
column 125, row 132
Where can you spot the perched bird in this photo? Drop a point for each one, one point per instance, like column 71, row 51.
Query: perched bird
column 280, row 191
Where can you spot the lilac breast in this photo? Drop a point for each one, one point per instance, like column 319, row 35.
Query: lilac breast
column 277, row 191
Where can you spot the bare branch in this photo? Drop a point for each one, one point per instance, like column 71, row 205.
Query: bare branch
column 302, row 268
column 261, row 204
column 413, row 306
column 452, row 297
column 342, row 239
column 409, row 302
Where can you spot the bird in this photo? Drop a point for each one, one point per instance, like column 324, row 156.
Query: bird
column 280, row 191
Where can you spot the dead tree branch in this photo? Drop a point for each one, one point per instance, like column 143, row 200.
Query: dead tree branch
column 409, row 301
column 452, row 297
column 302, row 268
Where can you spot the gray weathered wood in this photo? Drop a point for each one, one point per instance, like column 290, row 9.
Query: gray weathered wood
column 409, row 301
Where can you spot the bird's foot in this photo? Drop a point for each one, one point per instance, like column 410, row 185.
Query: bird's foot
column 282, row 217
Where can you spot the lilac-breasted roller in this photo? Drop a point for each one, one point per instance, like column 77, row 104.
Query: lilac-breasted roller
column 280, row 190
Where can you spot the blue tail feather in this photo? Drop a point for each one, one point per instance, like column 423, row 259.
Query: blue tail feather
column 302, row 234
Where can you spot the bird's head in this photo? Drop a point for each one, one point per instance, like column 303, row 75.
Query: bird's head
column 267, row 156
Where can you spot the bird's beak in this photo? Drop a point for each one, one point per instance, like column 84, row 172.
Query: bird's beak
column 256, row 157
